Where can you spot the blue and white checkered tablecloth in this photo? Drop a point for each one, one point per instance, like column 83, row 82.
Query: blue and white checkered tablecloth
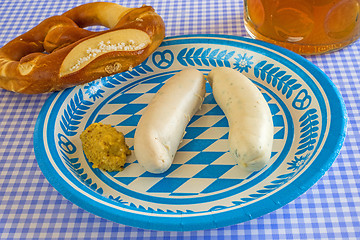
column 30, row 208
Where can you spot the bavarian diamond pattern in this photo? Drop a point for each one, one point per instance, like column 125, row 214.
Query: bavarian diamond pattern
column 202, row 164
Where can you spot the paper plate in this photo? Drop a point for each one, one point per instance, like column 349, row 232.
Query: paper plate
column 204, row 188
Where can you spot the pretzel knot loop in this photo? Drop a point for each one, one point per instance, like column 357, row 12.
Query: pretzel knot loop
column 59, row 53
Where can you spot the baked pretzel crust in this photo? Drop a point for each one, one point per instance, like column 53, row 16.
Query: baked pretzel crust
column 59, row 53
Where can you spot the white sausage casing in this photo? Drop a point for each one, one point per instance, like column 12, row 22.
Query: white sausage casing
column 162, row 126
column 250, row 121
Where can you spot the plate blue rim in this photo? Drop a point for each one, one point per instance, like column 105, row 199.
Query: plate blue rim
column 308, row 178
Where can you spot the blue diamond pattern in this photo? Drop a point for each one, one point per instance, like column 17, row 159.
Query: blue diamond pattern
column 130, row 134
column 126, row 180
column 221, row 184
column 213, row 171
column 172, row 168
column 226, row 136
column 130, row 109
column 205, row 158
column 194, row 147
column 194, row 118
column 280, row 134
column 101, row 117
column 197, row 144
column 209, row 99
column 194, row 132
column 278, row 121
column 274, row 108
column 155, row 89
column 125, row 98
column 222, row 123
column 215, row 111
column 167, row 185
column 266, row 96
column 131, row 121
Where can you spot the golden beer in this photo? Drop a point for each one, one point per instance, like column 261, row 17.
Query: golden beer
column 304, row 26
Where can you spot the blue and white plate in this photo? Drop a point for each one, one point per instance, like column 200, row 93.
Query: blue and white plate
column 204, row 188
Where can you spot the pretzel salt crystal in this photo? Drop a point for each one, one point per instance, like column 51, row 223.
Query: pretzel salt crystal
column 59, row 53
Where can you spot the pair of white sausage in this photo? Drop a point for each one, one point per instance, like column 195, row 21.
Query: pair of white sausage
column 162, row 126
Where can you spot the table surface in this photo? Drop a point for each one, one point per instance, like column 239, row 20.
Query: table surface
column 30, row 208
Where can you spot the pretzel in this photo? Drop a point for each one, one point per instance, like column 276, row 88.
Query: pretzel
column 59, row 53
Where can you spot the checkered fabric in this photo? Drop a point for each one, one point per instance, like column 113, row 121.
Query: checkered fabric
column 30, row 208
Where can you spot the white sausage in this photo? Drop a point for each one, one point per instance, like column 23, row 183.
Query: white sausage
column 162, row 126
column 250, row 120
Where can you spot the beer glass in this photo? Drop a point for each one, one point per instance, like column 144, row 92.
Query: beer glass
column 304, row 26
